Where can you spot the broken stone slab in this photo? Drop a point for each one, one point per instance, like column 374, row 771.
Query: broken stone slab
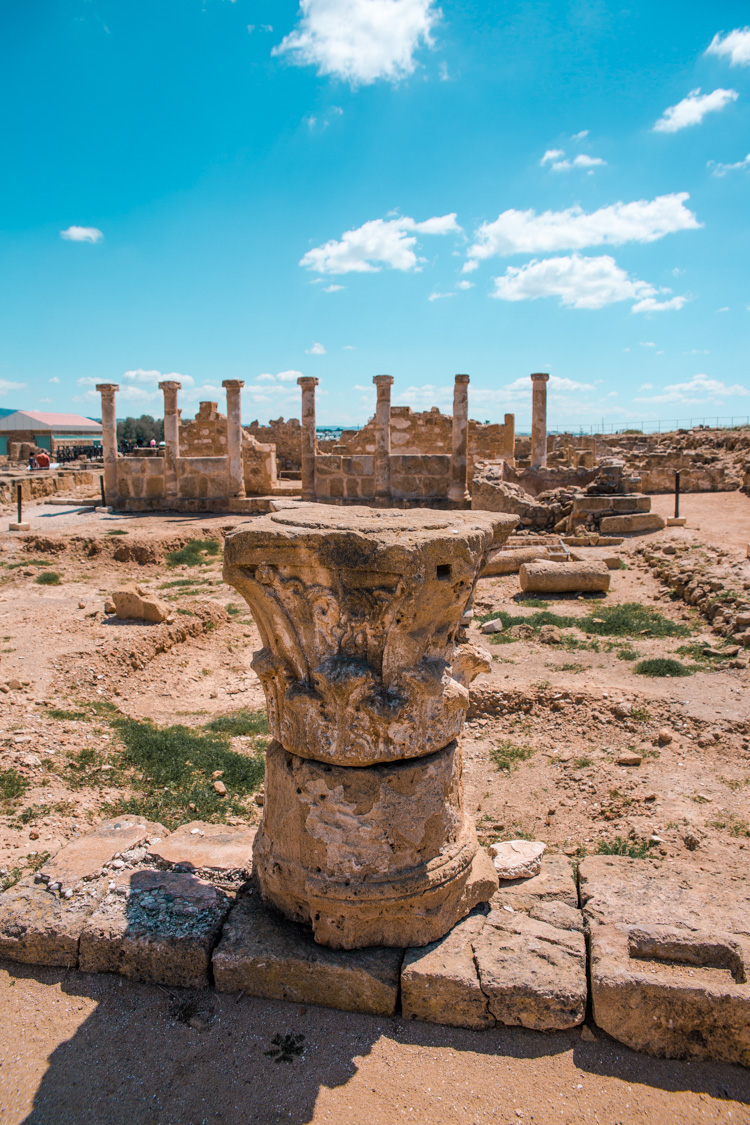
column 523, row 962
column 494, row 626
column 532, row 972
column 561, row 578
column 641, row 521
column 510, row 561
column 517, row 859
column 263, row 954
column 219, row 850
column 670, row 956
column 155, row 926
column 41, row 918
column 131, row 604
column 440, row 983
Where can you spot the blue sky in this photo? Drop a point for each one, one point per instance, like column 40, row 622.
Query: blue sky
column 259, row 189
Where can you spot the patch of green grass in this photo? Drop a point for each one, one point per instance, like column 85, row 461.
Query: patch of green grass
column 29, row 562
column 12, row 785
column 86, row 768
column 695, row 652
column 198, row 552
column 194, row 581
column 233, row 610
column 635, row 849
column 531, row 601
column 502, row 639
column 627, row 620
column 10, row 880
column 569, row 667
column 626, row 652
column 640, row 714
column 187, row 612
column 662, row 666
column 48, row 578
column 242, row 722
column 117, row 531
column 507, row 756
column 174, row 768
column 581, row 763
column 65, row 716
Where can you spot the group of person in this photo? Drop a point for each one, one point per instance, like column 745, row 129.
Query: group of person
column 39, row 460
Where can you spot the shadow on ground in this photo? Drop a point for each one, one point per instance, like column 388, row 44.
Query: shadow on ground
column 138, row 1058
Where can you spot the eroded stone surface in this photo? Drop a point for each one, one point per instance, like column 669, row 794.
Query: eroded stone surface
column 378, row 856
column 222, row 849
column 157, row 926
column 263, row 954
column 132, row 605
column 546, row 577
column 670, row 956
column 522, row 962
column 517, row 859
column 359, row 611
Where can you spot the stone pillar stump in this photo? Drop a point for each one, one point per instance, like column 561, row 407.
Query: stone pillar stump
column 539, row 420
column 364, row 834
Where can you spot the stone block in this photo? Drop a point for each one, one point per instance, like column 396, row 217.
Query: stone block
column 19, row 526
column 522, row 962
column 85, row 857
column 560, row 578
column 676, row 521
column 38, row 927
column 639, row 522
column 670, row 956
column 219, row 849
column 155, row 926
column 132, row 605
column 265, row 955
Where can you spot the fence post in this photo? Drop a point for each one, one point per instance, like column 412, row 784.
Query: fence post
column 19, row 499
column 676, row 494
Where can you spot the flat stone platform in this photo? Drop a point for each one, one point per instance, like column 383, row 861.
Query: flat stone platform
column 666, row 968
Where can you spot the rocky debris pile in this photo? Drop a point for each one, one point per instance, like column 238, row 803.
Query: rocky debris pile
column 708, row 580
column 490, row 493
column 613, row 479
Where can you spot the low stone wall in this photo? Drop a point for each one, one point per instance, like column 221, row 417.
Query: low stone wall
column 204, row 478
column 140, row 478
column 35, row 486
column 344, row 478
column 425, row 476
column 286, row 435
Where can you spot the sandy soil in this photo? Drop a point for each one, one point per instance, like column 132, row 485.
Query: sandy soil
column 76, row 1048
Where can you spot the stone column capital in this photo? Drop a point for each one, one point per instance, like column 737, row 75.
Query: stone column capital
column 107, row 388
column 233, row 384
column 540, row 377
column 307, row 382
column 461, row 379
column 383, row 380
column 170, row 385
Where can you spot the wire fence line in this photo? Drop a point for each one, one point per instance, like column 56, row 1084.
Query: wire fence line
column 709, row 422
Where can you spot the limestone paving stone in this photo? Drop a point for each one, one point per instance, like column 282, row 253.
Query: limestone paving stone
column 216, row 850
column 638, row 521
column 670, row 956
column 155, row 926
column 517, row 859
column 41, row 919
column 264, row 954
column 520, row 961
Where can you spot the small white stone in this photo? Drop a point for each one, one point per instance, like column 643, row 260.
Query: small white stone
column 517, row 859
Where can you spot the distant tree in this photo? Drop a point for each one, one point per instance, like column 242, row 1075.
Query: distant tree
column 144, row 429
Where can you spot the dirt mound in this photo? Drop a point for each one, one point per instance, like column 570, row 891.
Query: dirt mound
column 142, row 550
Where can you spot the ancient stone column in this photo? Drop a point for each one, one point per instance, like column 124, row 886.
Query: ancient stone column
column 233, row 388
column 539, row 420
column 309, row 441
column 171, row 435
column 109, row 438
column 510, row 438
column 364, row 834
column 383, row 438
column 459, row 491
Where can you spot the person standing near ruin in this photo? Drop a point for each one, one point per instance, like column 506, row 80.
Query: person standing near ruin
column 42, row 460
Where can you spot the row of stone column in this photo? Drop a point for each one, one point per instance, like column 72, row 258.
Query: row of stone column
column 169, row 388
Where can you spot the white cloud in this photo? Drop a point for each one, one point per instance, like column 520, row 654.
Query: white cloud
column 316, row 349
column 139, row 375
column 579, row 283
column 646, row 387
column 82, row 234
column 349, row 348
column 265, row 378
column 436, row 296
column 580, row 136
column 552, row 154
column 465, row 285
column 332, row 288
column 722, row 169
column 54, row 379
column 526, row 232
column 648, row 344
column 692, row 109
column 443, row 72
column 580, row 161
column 7, row 385
column 735, row 45
column 697, row 391
column 289, row 376
column 360, row 41
column 387, row 241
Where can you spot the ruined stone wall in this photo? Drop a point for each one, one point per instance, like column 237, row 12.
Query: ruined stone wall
column 344, row 478
column 140, row 478
column 206, row 435
column 203, row 478
column 286, row 436
column 38, row 485
column 413, row 477
column 421, row 476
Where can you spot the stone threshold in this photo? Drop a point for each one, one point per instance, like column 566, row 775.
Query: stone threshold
column 662, row 952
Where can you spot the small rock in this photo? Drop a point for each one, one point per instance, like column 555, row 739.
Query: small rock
column 134, row 605
column 15, row 685
column 517, row 859
column 650, row 797
column 109, row 607
column 587, row 1035
column 495, row 626
column 665, row 736
column 220, row 788
column 691, row 842
column 629, row 758
column 81, row 605
column 217, row 774
column 33, row 835
column 259, row 797
column 621, row 711
column 118, row 864
column 521, row 632
column 550, row 635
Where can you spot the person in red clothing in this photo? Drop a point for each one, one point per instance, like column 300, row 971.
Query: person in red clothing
column 42, row 460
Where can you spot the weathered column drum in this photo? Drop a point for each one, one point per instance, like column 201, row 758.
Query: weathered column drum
column 364, row 835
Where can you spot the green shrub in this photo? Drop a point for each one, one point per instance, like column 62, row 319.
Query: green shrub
column 507, row 756
column 240, row 722
column 12, row 784
column 48, row 578
column 628, row 620
column 662, row 666
column 635, row 849
column 198, row 552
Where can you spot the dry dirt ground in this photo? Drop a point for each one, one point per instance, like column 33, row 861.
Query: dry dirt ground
column 541, row 748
